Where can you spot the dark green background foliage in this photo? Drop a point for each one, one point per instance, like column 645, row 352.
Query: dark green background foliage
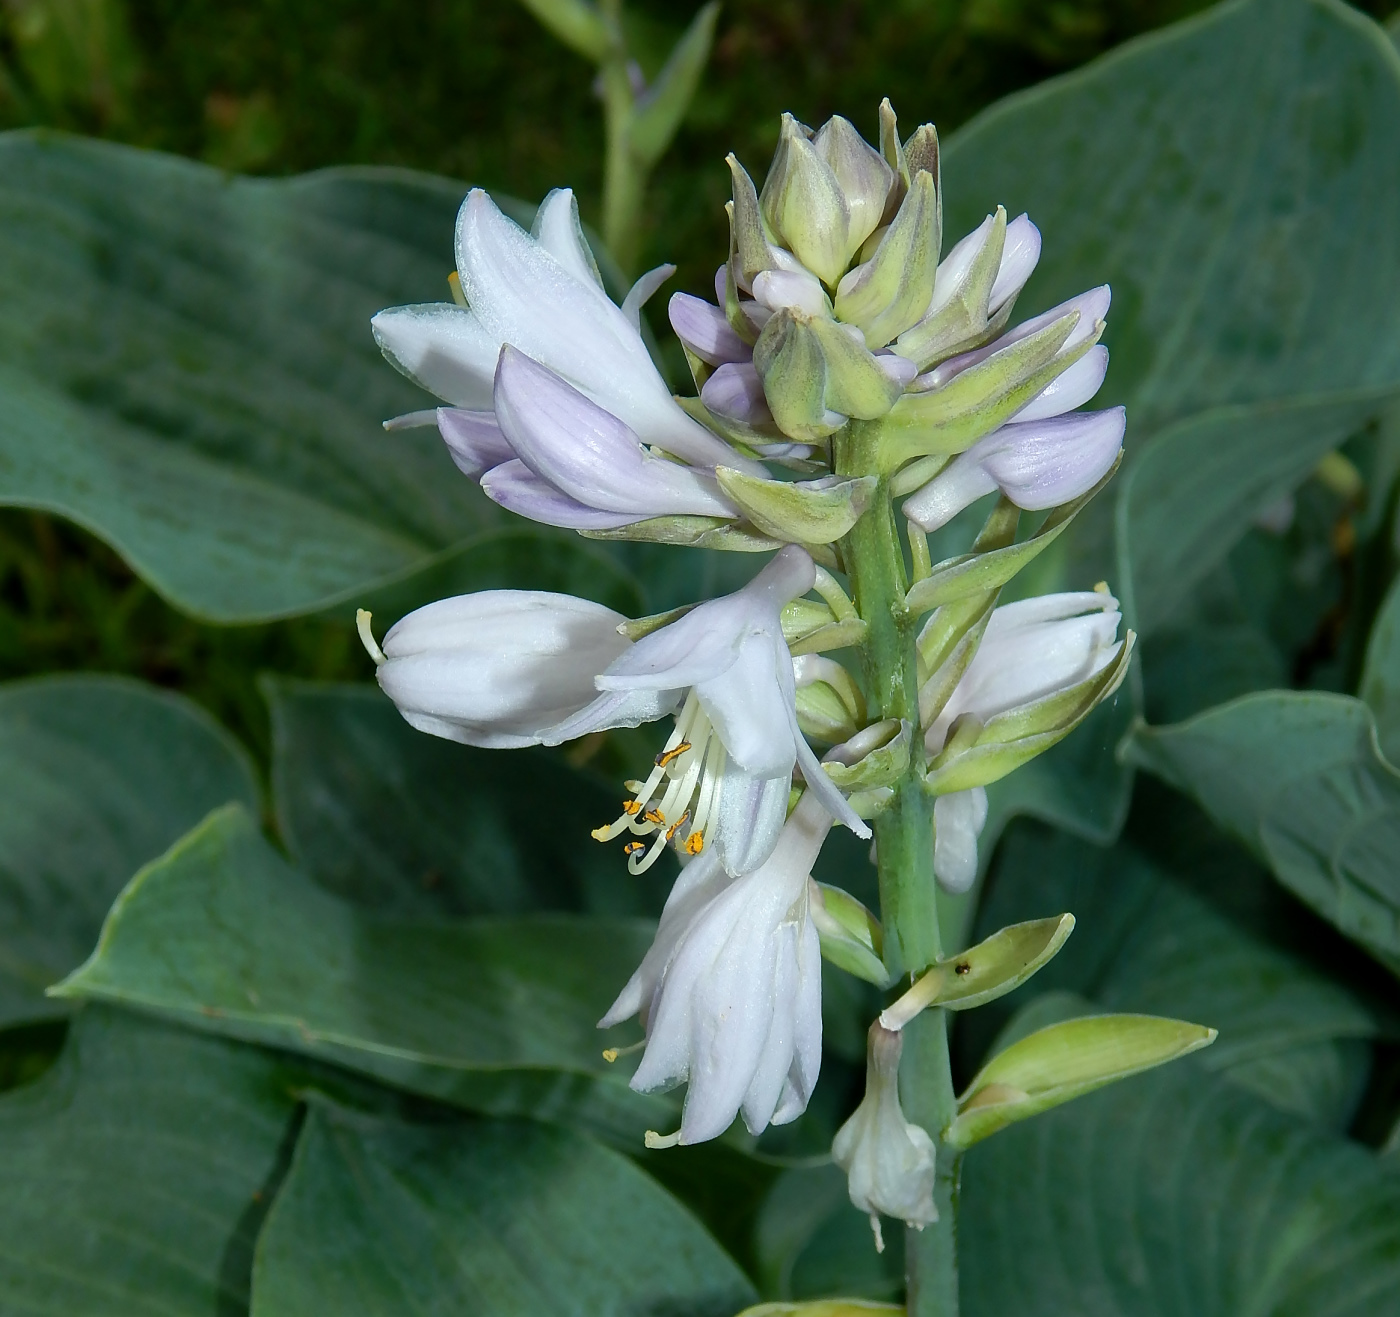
column 325, row 1037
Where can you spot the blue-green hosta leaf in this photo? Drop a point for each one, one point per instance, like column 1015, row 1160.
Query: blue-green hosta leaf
column 1380, row 681
column 412, row 825
column 189, row 372
column 1299, row 777
column 488, row 1217
column 495, row 1015
column 137, row 1172
column 1229, row 177
column 1196, row 488
column 1176, row 1194
column 98, row 775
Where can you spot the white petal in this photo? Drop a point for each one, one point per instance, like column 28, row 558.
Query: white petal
column 954, row 267
column 558, row 230
column 1031, row 649
column 775, row 1060
column 748, row 818
column 958, row 820
column 778, row 289
column 523, row 295
column 642, row 291
column 613, row 709
column 959, row 485
column 495, row 668
column 587, row 452
column 748, row 705
column 442, row 348
column 1070, row 389
column 1018, row 262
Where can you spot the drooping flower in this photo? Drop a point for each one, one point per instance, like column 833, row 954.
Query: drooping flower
column 1031, row 649
column 539, row 292
column 499, row 668
column 730, row 991
column 509, row 668
column 889, row 1163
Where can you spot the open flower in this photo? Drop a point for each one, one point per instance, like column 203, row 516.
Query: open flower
column 541, row 293
column 726, row 772
column 730, row 991
column 510, row 668
column 889, row 1163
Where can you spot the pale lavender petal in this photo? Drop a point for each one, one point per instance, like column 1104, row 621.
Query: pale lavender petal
column 518, row 489
column 1041, row 464
column 441, row 347
column 735, row 391
column 577, row 446
column 705, row 331
column 473, row 439
column 1070, row 389
column 748, row 817
column 1018, row 262
column 747, row 704
column 641, row 292
column 953, row 268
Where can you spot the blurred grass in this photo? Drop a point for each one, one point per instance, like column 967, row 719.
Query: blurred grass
column 478, row 91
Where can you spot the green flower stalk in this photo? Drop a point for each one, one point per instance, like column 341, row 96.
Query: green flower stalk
column 857, row 388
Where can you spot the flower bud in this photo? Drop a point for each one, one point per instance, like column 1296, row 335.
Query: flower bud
column 824, row 194
column 889, row 1163
column 891, row 291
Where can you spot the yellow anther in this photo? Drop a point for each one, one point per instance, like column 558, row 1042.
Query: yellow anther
column 631, row 807
column 695, row 843
column 654, row 816
column 633, row 847
column 670, row 756
column 605, row 833
column 676, row 826
column 454, row 283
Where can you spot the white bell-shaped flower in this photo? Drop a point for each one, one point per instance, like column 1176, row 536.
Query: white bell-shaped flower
column 730, row 991
column 541, row 293
column 498, row 668
column 1031, row 649
column 889, row 1163
column 509, row 668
